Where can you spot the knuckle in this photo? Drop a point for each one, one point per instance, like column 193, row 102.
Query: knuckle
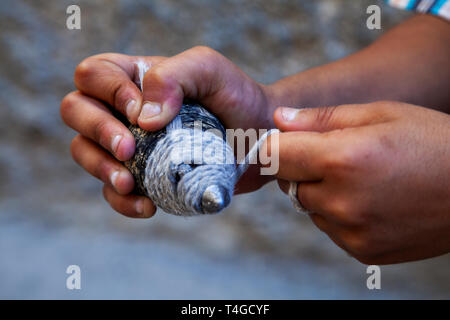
column 118, row 204
column 325, row 115
column 361, row 244
column 206, row 57
column 348, row 212
column 119, row 93
column 111, row 56
column 204, row 51
column 346, row 159
column 156, row 75
column 102, row 170
column 115, row 92
column 67, row 103
column 83, row 70
column 160, row 78
column 102, row 132
column 338, row 207
column 384, row 106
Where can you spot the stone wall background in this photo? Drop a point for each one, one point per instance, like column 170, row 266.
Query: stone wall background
column 52, row 213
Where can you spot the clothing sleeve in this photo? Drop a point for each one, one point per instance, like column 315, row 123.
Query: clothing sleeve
column 437, row 7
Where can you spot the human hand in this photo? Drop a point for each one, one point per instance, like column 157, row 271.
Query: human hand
column 376, row 176
column 109, row 81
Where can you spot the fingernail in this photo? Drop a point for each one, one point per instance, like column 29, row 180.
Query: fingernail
column 289, row 114
column 144, row 208
column 113, row 178
column 131, row 108
column 115, row 143
column 140, row 206
column 150, row 109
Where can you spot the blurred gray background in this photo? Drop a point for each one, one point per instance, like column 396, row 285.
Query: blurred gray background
column 52, row 213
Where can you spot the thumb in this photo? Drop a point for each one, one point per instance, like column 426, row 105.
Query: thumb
column 325, row 118
column 195, row 73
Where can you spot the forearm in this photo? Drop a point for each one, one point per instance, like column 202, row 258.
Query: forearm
column 410, row 63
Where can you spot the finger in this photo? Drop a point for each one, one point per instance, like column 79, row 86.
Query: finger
column 131, row 205
column 299, row 155
column 110, row 77
column 94, row 121
column 101, row 165
column 311, row 195
column 324, row 199
column 196, row 73
column 327, row 118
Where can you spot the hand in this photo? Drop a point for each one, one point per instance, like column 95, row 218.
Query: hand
column 376, row 176
column 108, row 81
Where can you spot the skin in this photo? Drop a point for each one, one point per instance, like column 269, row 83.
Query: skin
column 374, row 170
column 376, row 176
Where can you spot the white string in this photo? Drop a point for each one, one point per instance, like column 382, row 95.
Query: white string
column 293, row 195
column 253, row 153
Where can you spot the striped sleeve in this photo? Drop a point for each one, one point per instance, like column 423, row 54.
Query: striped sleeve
column 437, row 7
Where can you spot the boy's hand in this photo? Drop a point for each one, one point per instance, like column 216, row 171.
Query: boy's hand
column 108, row 81
column 376, row 176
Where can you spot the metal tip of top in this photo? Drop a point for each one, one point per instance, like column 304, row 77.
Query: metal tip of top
column 214, row 199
